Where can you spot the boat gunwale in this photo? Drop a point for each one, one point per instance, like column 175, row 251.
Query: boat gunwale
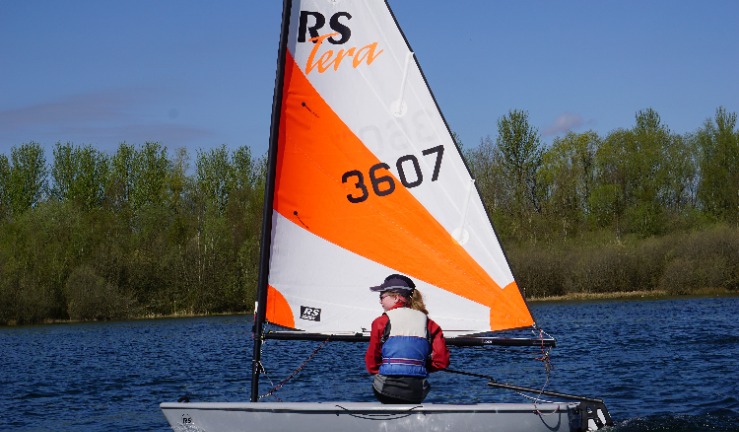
column 373, row 408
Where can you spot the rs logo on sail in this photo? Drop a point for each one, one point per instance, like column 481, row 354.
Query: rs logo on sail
column 310, row 313
column 311, row 22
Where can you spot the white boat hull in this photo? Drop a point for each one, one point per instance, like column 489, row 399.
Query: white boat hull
column 372, row 416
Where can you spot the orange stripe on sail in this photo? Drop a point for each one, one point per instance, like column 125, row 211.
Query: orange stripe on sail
column 501, row 318
column 278, row 309
column 315, row 150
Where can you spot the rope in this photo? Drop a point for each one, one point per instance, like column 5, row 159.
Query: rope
column 295, row 372
column 381, row 416
column 546, row 360
column 260, row 365
column 454, row 371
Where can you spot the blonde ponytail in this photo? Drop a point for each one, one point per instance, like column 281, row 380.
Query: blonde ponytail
column 416, row 302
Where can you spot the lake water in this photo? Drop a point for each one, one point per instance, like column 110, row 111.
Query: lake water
column 660, row 365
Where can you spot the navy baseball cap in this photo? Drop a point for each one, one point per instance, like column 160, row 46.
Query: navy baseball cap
column 395, row 282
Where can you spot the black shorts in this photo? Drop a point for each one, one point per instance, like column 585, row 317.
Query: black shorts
column 392, row 389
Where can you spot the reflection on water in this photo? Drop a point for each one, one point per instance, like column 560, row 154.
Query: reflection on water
column 666, row 365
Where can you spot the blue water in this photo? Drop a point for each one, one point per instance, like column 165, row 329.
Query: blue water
column 660, row 365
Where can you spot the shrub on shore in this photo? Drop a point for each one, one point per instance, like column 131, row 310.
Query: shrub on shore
column 677, row 263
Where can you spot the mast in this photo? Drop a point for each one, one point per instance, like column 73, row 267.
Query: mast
column 264, row 252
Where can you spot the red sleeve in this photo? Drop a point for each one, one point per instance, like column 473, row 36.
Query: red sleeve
column 439, row 352
column 373, row 356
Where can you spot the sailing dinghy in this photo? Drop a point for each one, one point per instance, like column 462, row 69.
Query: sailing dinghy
column 365, row 180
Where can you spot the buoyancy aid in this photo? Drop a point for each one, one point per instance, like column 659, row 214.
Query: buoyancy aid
column 406, row 348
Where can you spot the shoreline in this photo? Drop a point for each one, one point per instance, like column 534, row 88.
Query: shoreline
column 571, row 297
column 633, row 295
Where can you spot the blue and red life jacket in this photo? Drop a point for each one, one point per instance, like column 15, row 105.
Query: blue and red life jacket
column 406, row 345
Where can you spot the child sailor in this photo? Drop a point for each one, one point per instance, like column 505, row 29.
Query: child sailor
column 405, row 344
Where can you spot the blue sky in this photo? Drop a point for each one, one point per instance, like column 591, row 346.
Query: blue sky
column 197, row 74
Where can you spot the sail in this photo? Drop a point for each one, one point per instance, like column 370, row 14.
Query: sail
column 368, row 182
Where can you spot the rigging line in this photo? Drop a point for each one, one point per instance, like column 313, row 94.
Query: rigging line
column 541, row 334
column 381, row 416
column 493, row 383
column 546, row 360
column 545, row 392
column 271, row 382
column 536, row 399
column 296, row 371
column 546, row 357
column 454, row 371
column 260, row 364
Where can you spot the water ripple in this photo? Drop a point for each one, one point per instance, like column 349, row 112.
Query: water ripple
column 667, row 365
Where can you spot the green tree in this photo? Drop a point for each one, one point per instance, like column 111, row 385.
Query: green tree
column 718, row 188
column 218, row 178
column 649, row 174
column 27, row 182
column 244, row 214
column 4, row 187
column 481, row 163
column 120, row 184
column 678, row 195
column 215, row 179
column 150, row 169
column 178, row 197
column 567, row 176
column 520, row 153
column 91, row 297
column 79, row 175
column 633, row 176
column 43, row 242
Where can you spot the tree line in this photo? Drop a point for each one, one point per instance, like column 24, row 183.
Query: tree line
column 641, row 208
column 141, row 232
column 137, row 233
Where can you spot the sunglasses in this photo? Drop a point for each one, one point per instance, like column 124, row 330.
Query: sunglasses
column 383, row 295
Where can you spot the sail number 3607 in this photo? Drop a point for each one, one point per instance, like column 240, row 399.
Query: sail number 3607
column 382, row 183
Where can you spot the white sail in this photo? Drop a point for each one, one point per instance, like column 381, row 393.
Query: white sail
column 369, row 182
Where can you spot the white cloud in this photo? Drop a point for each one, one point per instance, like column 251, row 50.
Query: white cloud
column 564, row 123
column 104, row 119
